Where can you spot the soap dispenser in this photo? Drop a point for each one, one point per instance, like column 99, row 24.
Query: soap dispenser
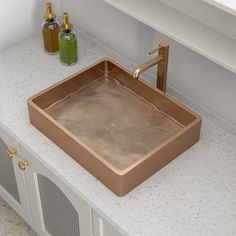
column 51, row 31
column 68, row 42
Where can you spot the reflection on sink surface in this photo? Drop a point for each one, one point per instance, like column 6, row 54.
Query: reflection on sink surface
column 118, row 128
column 114, row 121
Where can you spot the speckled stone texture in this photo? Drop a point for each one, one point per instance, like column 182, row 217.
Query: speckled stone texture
column 193, row 195
column 11, row 224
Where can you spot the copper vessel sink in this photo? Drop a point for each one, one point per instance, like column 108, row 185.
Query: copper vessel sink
column 118, row 128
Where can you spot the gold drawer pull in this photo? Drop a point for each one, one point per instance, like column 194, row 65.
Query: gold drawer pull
column 10, row 153
column 23, row 164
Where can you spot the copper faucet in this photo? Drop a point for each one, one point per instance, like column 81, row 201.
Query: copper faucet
column 162, row 61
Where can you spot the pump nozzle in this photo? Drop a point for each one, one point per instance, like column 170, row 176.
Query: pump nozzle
column 66, row 24
column 48, row 14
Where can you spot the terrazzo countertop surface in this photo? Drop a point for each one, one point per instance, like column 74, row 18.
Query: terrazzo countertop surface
column 193, row 195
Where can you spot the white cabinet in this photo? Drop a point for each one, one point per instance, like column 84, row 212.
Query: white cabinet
column 102, row 228
column 42, row 198
column 56, row 209
column 12, row 180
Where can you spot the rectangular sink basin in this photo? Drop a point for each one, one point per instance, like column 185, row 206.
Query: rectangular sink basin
column 120, row 129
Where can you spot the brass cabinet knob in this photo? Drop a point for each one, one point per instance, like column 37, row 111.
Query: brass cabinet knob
column 10, row 153
column 23, row 164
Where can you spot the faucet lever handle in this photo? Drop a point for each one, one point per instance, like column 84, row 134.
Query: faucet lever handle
column 155, row 50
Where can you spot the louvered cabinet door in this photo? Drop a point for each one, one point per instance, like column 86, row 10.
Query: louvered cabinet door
column 56, row 209
column 12, row 181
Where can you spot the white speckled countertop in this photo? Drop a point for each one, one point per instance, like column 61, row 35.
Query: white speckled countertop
column 193, row 195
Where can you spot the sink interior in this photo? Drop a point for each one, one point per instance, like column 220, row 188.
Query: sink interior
column 114, row 121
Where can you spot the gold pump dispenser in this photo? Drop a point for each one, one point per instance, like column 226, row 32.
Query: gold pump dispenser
column 49, row 14
column 66, row 24
column 50, row 29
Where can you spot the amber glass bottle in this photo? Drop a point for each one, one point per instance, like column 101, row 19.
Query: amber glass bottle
column 51, row 31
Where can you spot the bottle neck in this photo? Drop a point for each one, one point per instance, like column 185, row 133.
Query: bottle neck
column 67, row 31
column 50, row 20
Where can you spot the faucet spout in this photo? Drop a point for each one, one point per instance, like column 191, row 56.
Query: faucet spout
column 162, row 61
column 145, row 66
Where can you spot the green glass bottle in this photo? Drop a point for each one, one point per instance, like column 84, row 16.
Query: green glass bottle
column 68, row 43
